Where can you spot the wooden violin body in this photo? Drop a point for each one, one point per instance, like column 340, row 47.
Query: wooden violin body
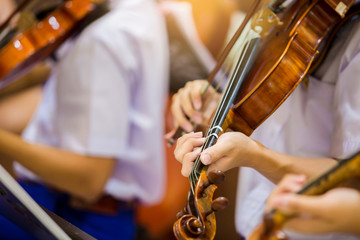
column 287, row 53
column 44, row 38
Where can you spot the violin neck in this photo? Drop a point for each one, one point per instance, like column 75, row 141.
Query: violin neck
column 238, row 76
column 345, row 170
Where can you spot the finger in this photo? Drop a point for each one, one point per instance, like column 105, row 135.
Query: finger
column 195, row 94
column 295, row 204
column 186, row 168
column 210, row 91
column 209, row 110
column 170, row 134
column 188, row 162
column 187, row 145
column 180, row 150
column 213, row 153
column 210, row 103
column 188, row 136
column 290, row 183
column 179, row 115
column 185, row 101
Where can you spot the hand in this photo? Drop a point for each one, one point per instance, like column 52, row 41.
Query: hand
column 338, row 210
column 187, row 149
column 233, row 149
column 188, row 102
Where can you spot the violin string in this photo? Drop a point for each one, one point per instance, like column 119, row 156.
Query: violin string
column 244, row 44
column 192, row 176
column 240, row 30
column 244, row 47
column 228, row 65
column 229, row 46
column 198, row 163
column 224, row 103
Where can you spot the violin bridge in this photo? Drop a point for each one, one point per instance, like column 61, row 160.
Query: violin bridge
column 264, row 20
column 341, row 8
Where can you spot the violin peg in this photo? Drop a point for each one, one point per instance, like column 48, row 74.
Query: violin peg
column 219, row 204
column 216, row 177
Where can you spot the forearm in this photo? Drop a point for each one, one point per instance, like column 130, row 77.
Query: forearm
column 274, row 165
column 78, row 175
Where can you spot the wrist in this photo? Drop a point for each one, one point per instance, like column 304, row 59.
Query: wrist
column 256, row 153
column 269, row 163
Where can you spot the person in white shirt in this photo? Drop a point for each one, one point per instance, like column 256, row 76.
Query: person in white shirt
column 316, row 124
column 94, row 145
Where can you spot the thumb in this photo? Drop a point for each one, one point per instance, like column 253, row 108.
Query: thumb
column 211, row 154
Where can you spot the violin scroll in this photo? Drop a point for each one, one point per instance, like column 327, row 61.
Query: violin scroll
column 197, row 220
column 188, row 227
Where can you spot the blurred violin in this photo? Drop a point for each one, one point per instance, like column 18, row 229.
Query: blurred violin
column 21, row 52
column 280, row 43
column 271, row 228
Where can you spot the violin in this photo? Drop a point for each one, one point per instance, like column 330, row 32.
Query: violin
column 273, row 221
column 284, row 39
column 38, row 42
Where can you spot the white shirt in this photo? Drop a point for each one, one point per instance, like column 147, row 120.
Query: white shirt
column 106, row 98
column 321, row 120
